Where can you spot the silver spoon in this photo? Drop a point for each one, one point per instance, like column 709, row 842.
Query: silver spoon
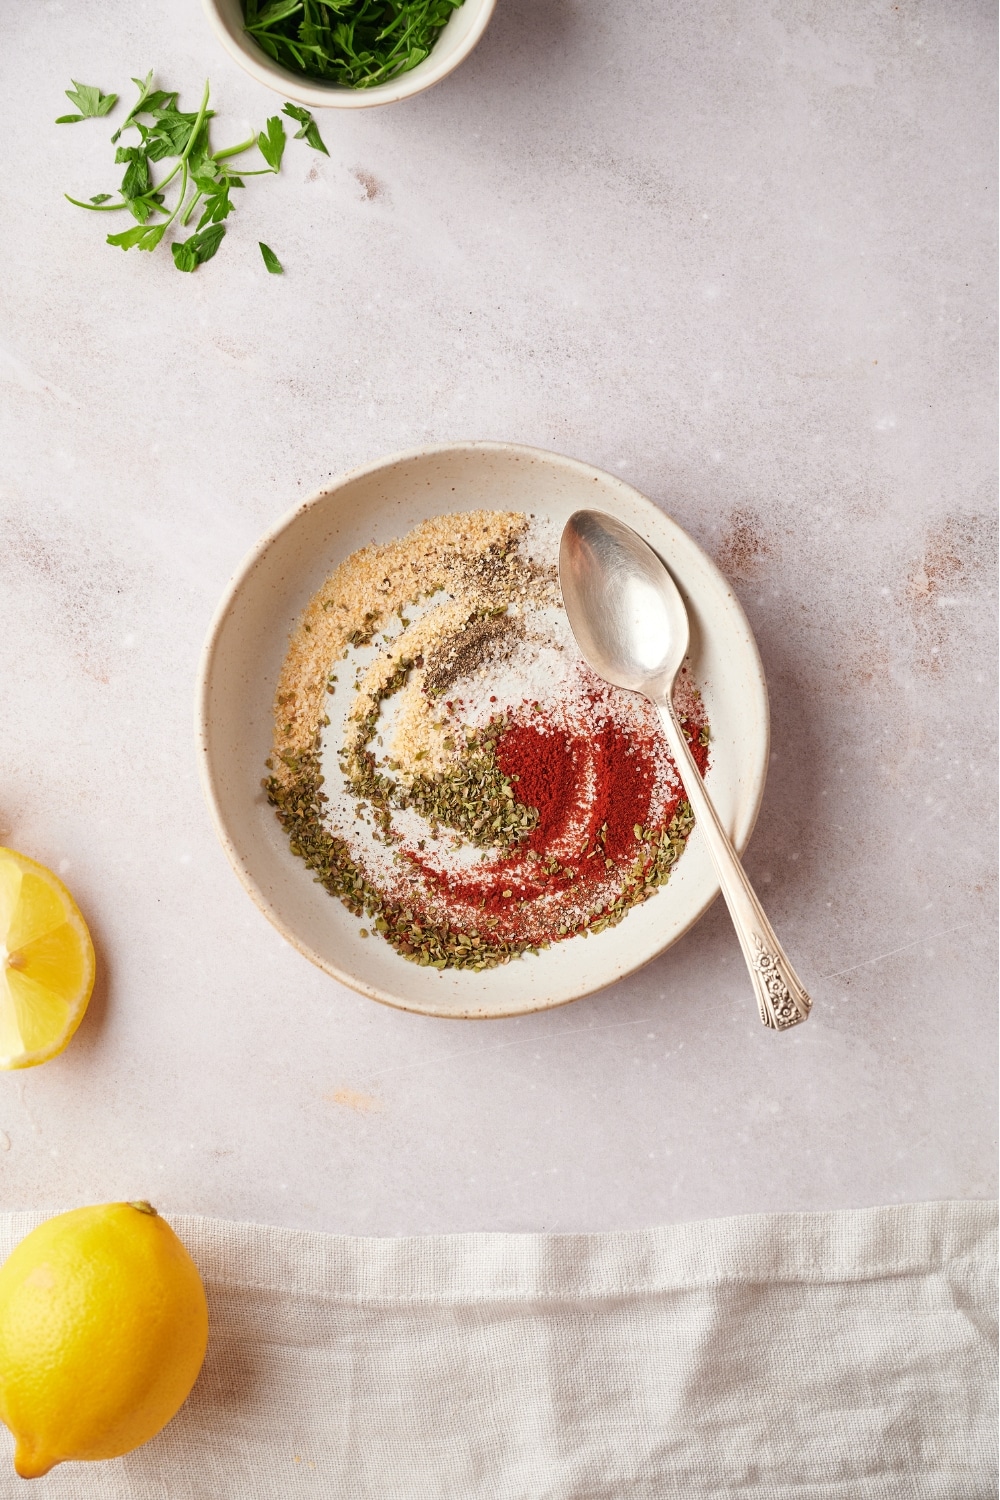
column 632, row 626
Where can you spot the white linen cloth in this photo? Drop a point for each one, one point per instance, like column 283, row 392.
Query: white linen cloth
column 836, row 1356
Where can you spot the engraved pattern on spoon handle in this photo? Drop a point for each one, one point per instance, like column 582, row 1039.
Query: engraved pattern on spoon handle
column 781, row 997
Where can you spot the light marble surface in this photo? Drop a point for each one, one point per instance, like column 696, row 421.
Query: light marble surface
column 740, row 255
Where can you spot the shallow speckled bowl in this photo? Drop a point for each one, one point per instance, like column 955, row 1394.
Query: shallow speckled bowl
column 462, row 32
column 246, row 646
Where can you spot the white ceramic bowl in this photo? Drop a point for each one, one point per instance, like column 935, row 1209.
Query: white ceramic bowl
column 456, row 41
column 242, row 660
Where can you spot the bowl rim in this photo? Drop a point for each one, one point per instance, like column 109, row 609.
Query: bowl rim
column 352, row 981
column 313, row 92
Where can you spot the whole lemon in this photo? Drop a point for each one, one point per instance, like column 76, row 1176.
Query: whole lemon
column 103, row 1329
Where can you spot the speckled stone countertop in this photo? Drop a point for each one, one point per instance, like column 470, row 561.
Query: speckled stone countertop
column 741, row 255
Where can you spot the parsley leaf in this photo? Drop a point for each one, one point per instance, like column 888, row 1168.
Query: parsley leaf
column 136, row 181
column 143, row 237
column 191, row 253
column 309, row 127
column 142, row 208
column 278, row 10
column 169, row 133
column 271, row 261
column 271, row 142
column 89, row 101
column 218, row 204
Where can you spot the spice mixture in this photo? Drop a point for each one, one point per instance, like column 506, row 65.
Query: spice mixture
column 447, row 764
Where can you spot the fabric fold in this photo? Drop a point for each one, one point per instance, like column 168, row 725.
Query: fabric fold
column 829, row 1356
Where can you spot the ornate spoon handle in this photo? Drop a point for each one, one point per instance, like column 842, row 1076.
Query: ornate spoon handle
column 781, row 997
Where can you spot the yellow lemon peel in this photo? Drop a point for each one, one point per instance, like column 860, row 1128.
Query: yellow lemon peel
column 103, row 1330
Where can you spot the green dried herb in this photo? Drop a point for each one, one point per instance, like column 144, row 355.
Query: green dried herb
column 299, row 804
column 474, row 797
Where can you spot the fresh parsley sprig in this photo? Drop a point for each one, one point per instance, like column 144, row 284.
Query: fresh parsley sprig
column 202, row 178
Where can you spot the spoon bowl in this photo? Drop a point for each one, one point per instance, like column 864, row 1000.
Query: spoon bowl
column 627, row 613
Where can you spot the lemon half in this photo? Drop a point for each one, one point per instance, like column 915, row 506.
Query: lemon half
column 46, row 962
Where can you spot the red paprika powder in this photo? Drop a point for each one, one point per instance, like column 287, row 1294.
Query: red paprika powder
column 592, row 792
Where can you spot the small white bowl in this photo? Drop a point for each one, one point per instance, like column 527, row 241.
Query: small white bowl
column 456, row 41
column 246, row 646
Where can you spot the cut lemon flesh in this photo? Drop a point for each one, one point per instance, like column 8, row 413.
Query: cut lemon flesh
column 46, row 963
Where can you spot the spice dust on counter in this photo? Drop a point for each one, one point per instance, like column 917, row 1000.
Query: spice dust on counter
column 449, row 767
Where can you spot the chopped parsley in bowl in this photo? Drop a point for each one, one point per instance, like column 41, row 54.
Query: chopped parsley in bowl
column 349, row 53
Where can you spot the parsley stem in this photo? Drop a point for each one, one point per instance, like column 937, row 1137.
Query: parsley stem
column 184, row 187
column 234, row 150
column 98, row 208
column 191, row 208
column 199, row 121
